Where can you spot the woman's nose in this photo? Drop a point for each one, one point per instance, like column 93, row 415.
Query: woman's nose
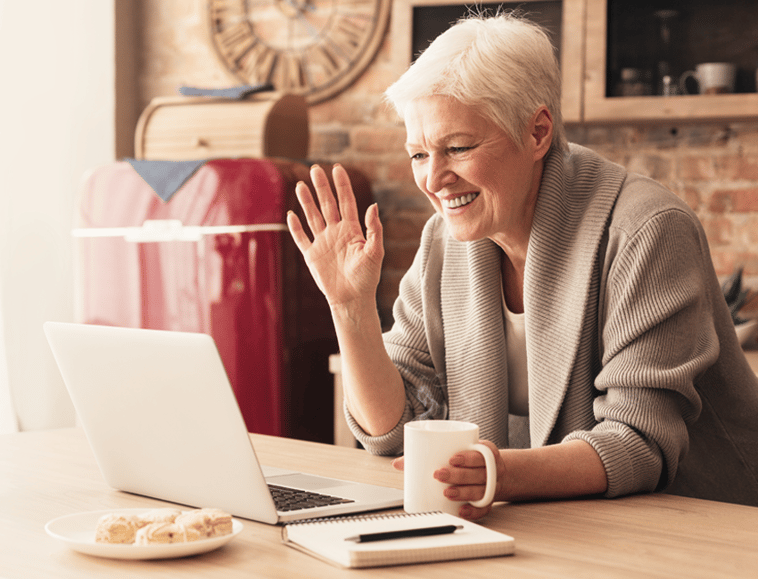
column 439, row 175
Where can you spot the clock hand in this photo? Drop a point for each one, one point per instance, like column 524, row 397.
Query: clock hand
column 308, row 26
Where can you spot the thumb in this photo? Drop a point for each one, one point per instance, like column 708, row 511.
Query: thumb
column 399, row 463
column 374, row 233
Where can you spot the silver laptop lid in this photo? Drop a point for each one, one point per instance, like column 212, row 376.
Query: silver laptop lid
column 161, row 416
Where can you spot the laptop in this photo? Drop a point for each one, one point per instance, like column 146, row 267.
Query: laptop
column 163, row 422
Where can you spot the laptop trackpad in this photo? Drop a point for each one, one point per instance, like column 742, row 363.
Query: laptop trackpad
column 305, row 481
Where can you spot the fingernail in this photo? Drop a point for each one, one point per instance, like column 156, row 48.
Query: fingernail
column 442, row 474
column 457, row 460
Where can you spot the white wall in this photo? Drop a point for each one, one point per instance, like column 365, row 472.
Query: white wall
column 56, row 121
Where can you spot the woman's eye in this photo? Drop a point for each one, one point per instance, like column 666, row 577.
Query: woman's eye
column 417, row 156
column 455, row 150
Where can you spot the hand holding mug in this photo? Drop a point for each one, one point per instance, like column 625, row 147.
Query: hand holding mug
column 429, row 447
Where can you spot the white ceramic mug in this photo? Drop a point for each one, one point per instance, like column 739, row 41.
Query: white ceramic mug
column 711, row 77
column 429, row 446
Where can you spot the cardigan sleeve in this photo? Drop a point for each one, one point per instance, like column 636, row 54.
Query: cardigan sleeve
column 657, row 337
column 410, row 344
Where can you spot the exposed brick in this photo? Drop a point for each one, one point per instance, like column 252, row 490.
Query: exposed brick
column 744, row 200
column 746, row 230
column 696, row 168
column 372, row 168
column 690, row 195
column 721, row 202
column 738, row 167
column 650, row 165
column 378, row 139
column 399, row 169
column 718, row 230
column 328, row 142
column 724, row 261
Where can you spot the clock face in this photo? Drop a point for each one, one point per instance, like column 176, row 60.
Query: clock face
column 315, row 48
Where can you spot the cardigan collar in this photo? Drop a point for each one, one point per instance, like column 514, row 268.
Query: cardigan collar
column 576, row 198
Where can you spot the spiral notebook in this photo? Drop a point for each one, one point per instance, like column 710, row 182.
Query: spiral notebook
column 336, row 540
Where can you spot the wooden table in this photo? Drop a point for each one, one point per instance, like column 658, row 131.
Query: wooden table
column 44, row 475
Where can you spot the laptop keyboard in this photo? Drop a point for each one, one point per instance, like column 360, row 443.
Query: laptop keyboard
column 287, row 499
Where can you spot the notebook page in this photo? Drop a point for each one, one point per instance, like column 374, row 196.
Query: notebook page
column 326, row 539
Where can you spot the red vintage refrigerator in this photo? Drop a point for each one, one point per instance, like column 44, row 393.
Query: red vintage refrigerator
column 216, row 258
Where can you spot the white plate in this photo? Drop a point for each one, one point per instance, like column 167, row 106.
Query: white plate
column 78, row 532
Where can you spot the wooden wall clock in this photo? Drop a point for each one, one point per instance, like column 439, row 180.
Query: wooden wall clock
column 315, row 48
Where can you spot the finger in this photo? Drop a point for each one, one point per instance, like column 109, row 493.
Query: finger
column 473, row 492
column 473, row 458
column 326, row 201
column 462, row 476
column 471, row 513
column 399, row 463
column 374, row 234
column 345, row 195
column 298, row 233
column 310, row 210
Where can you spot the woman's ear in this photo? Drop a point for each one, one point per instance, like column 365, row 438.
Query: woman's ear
column 541, row 131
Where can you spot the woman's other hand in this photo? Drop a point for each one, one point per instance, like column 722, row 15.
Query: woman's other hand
column 467, row 476
column 345, row 264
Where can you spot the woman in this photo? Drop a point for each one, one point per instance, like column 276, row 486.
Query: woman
column 566, row 306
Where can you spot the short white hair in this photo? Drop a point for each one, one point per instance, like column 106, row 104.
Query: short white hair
column 504, row 65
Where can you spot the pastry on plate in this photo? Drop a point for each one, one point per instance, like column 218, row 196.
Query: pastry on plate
column 208, row 522
column 162, row 533
column 159, row 516
column 116, row 528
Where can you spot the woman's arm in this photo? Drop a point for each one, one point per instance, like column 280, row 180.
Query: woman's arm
column 347, row 266
column 569, row 469
column 373, row 389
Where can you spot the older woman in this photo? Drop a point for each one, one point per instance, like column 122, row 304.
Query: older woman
column 568, row 307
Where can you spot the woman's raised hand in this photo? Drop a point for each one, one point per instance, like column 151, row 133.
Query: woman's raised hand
column 345, row 264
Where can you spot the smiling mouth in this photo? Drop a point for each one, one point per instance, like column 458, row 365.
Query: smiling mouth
column 459, row 201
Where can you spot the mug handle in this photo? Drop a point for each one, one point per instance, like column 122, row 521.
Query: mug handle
column 489, row 461
column 683, row 81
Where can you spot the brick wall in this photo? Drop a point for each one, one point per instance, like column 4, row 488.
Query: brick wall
column 713, row 167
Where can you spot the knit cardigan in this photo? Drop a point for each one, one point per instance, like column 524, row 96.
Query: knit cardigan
column 630, row 344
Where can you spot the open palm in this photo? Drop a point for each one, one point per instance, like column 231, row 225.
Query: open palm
column 345, row 264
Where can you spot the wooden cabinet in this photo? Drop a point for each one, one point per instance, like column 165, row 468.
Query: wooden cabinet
column 596, row 106
column 580, row 29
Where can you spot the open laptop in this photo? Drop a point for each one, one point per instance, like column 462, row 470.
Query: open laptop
column 162, row 420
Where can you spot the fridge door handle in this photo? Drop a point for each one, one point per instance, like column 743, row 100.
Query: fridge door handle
column 160, row 230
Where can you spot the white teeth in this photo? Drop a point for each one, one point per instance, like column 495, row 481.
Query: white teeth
column 459, row 201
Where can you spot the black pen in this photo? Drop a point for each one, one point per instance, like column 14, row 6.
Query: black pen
column 406, row 533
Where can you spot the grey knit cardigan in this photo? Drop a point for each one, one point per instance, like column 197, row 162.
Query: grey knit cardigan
column 630, row 344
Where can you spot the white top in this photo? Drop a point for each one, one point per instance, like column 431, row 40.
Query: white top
column 518, row 378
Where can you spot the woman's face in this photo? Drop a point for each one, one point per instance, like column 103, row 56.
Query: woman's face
column 472, row 172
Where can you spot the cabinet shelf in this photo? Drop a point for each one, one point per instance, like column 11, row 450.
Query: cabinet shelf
column 597, row 107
